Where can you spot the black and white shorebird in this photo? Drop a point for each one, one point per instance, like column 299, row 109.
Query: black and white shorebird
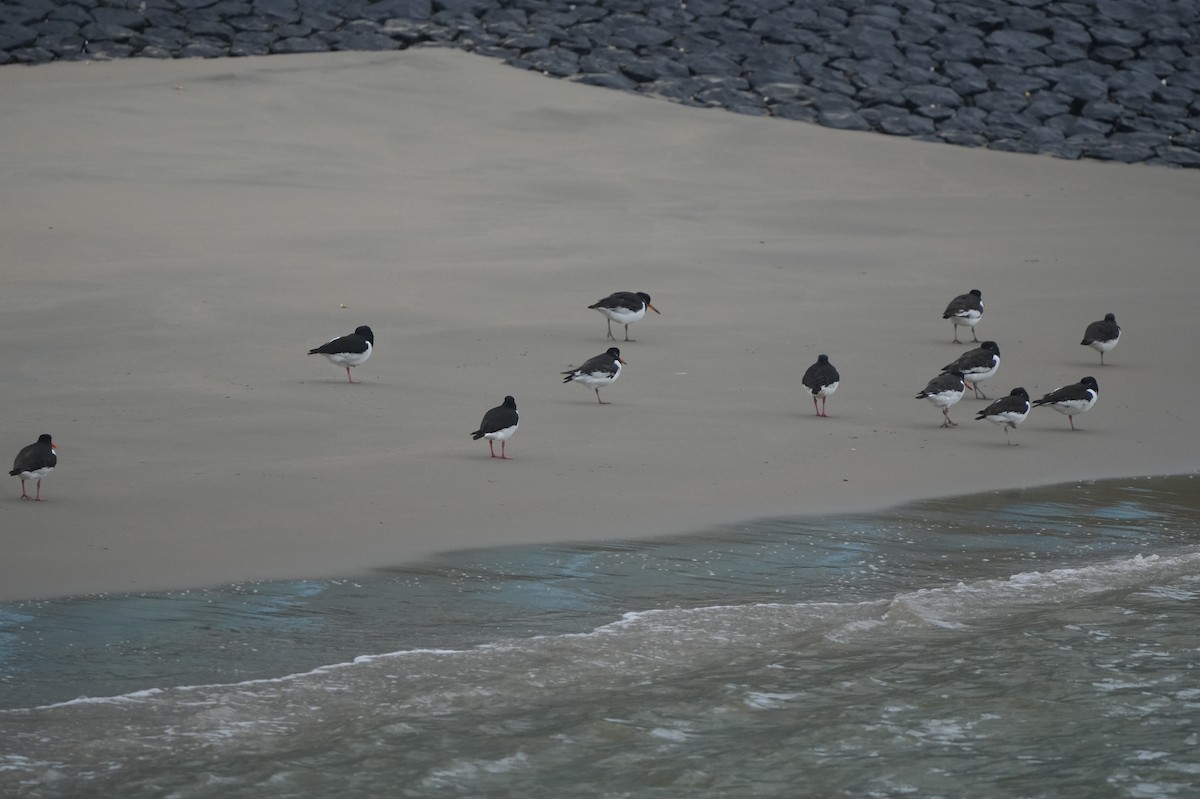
column 977, row 365
column 499, row 424
column 603, row 370
column 347, row 351
column 1072, row 400
column 35, row 462
column 624, row 308
column 822, row 380
column 1102, row 336
column 965, row 310
column 943, row 391
column 1008, row 412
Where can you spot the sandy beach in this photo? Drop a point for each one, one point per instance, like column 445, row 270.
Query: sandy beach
column 178, row 234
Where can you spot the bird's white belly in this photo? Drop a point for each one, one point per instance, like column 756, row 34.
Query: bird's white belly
column 623, row 316
column 594, row 379
column 968, row 318
column 501, row 435
column 1104, row 346
column 1073, row 407
column 944, row 399
column 981, row 373
column 1012, row 418
column 827, row 390
column 348, row 358
column 36, row 474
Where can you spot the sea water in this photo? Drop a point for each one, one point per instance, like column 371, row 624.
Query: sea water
column 1037, row 643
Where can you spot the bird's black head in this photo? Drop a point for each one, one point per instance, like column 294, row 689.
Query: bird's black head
column 45, row 438
column 509, row 402
column 991, row 346
column 976, row 293
column 614, row 352
column 822, row 358
column 643, row 296
column 1090, row 382
column 365, row 332
column 1019, row 392
column 1110, row 317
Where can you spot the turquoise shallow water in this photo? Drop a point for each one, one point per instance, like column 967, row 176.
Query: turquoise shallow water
column 1029, row 643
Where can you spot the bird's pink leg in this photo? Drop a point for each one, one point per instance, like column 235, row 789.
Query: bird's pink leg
column 490, row 447
column 504, row 451
column 627, row 338
column 38, row 498
column 602, row 402
column 816, row 410
column 348, row 377
column 1071, row 419
column 823, row 413
column 610, row 335
column 23, row 494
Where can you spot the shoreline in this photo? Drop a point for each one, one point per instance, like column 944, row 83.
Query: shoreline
column 182, row 232
column 1104, row 81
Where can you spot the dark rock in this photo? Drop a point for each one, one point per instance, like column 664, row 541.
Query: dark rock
column 646, row 70
column 1108, row 151
column 1016, row 40
column 1010, row 102
column 973, row 120
column 30, row 55
column 14, row 36
column 554, row 61
column 1083, row 87
column 928, row 95
column 1101, row 110
column 834, row 103
column 607, row 79
column 1179, row 156
column 834, row 85
column 251, row 43
column 70, row 13
column 881, row 96
column 391, row 9
column 405, row 31
column 120, row 17
column 204, row 48
column 733, row 99
column 1112, row 54
column 1073, row 125
column 1122, row 37
column 962, row 138
column 299, row 45
column 843, row 120
column 797, row 111
column 359, row 39
column 784, row 92
column 165, row 39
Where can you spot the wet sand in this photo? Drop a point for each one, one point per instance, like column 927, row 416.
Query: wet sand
column 178, row 234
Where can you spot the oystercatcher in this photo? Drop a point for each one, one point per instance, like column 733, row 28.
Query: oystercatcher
column 1073, row 399
column 965, row 309
column 348, row 350
column 35, row 462
column 1102, row 336
column 943, row 391
column 602, row 370
column 624, row 308
column 976, row 366
column 822, row 379
column 1008, row 412
column 499, row 424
